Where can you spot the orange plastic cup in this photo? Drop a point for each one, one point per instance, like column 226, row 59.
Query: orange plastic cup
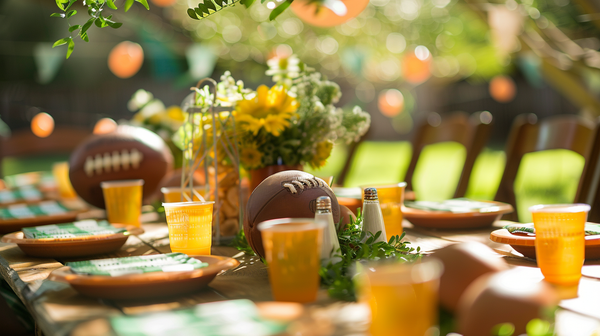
column 293, row 253
column 403, row 298
column 176, row 194
column 190, row 227
column 60, row 171
column 123, row 201
column 391, row 198
column 560, row 241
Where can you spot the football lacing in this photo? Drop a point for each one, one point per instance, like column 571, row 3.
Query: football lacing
column 302, row 183
column 116, row 161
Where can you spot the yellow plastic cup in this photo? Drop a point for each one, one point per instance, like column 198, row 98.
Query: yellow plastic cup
column 560, row 241
column 123, row 200
column 403, row 298
column 60, row 171
column 190, row 227
column 293, row 253
column 391, row 198
column 175, row 194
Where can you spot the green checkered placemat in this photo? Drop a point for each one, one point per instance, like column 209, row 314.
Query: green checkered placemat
column 70, row 230
column 234, row 317
column 170, row 262
column 26, row 193
column 456, row 205
column 20, row 211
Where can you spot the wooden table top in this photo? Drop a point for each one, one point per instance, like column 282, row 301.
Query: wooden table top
column 59, row 310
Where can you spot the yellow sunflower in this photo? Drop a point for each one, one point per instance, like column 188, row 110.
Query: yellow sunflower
column 250, row 156
column 322, row 154
column 270, row 109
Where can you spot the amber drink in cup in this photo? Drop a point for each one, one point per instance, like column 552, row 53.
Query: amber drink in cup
column 293, row 253
column 391, row 198
column 177, row 194
column 190, row 227
column 60, row 171
column 123, row 201
column 560, row 241
column 403, row 298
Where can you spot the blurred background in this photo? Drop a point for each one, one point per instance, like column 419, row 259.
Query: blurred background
column 398, row 59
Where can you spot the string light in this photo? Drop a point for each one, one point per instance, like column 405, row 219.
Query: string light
column 325, row 17
column 502, row 89
column 105, row 125
column 416, row 65
column 42, row 125
column 125, row 59
column 390, row 102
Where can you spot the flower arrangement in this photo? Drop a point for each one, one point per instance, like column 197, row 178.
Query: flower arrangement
column 294, row 122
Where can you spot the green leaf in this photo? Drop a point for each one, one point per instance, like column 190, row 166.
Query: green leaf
column 262, row 1
column 87, row 25
column 279, row 9
column 74, row 28
column 61, row 42
column 128, row 4
column 99, row 23
column 71, row 47
column 210, row 5
column 85, row 37
column 201, row 10
column 111, row 4
column 71, row 2
column 71, row 13
column 60, row 5
column 192, row 13
column 60, row 15
column 248, row 3
column 113, row 24
column 144, row 3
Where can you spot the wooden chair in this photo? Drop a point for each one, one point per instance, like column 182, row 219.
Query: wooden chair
column 569, row 132
column 24, row 143
column 470, row 131
column 588, row 190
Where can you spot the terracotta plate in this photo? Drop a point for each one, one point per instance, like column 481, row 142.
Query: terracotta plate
column 146, row 285
column 526, row 244
column 72, row 247
column 75, row 207
column 450, row 220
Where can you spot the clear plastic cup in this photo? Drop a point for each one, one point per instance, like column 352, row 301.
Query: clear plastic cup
column 176, row 194
column 560, row 241
column 293, row 253
column 123, row 200
column 391, row 198
column 403, row 297
column 190, row 227
column 60, row 171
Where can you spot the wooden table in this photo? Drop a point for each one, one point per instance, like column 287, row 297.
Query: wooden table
column 59, row 310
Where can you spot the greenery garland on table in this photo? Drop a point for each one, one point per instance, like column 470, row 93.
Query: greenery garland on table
column 355, row 246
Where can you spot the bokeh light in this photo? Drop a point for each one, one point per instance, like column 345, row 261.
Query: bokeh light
column 105, row 125
column 503, row 89
column 42, row 125
column 325, row 17
column 416, row 65
column 163, row 3
column 125, row 59
column 390, row 102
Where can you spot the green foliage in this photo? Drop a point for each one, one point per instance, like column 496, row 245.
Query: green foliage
column 241, row 243
column 356, row 246
column 95, row 9
column 209, row 7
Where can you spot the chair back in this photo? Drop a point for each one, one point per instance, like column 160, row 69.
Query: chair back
column 527, row 135
column 588, row 190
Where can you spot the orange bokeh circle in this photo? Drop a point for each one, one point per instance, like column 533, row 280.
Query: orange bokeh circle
column 415, row 70
column 125, row 59
column 390, row 102
column 503, row 89
column 163, row 3
column 42, row 125
column 325, row 17
column 105, row 125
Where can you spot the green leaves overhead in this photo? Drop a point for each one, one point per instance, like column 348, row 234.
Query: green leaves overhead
column 209, row 7
column 95, row 10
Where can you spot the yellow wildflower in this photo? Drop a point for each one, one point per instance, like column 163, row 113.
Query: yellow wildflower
column 250, row 156
column 270, row 109
column 323, row 151
column 175, row 113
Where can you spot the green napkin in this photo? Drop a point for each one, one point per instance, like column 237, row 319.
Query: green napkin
column 234, row 317
column 528, row 229
column 455, row 205
column 170, row 262
column 70, row 230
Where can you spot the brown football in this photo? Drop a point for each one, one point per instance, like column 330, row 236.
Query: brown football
column 127, row 153
column 288, row 194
